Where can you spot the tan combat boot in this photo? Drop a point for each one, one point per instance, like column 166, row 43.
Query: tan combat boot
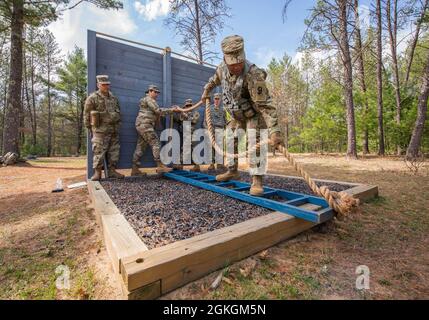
column 161, row 168
column 256, row 188
column 211, row 167
column 97, row 175
column 135, row 172
column 114, row 174
column 229, row 175
column 195, row 168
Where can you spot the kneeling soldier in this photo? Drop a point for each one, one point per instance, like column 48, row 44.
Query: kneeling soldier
column 103, row 119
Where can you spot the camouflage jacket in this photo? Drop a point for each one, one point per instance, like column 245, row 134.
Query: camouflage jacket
column 218, row 117
column 245, row 95
column 194, row 117
column 149, row 113
column 109, row 111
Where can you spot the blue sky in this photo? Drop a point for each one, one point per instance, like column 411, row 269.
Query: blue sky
column 259, row 22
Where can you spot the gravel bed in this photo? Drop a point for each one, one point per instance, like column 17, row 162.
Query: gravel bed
column 163, row 211
column 289, row 184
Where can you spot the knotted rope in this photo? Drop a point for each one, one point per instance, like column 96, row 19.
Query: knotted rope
column 341, row 202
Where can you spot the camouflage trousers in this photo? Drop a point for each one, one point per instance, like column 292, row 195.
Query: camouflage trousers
column 257, row 122
column 146, row 138
column 186, row 152
column 105, row 144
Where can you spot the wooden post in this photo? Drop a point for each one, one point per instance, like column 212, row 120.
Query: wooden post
column 91, row 57
column 166, row 82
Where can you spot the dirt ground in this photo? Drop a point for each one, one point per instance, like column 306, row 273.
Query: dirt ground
column 40, row 231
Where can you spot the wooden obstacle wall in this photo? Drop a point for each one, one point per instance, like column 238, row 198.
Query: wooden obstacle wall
column 131, row 70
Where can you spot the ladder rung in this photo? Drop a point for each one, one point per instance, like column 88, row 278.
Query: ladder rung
column 225, row 184
column 242, row 188
column 297, row 201
column 269, row 193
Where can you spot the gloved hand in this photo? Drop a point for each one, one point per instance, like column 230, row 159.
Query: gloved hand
column 276, row 140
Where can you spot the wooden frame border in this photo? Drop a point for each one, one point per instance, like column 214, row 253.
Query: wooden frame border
column 148, row 274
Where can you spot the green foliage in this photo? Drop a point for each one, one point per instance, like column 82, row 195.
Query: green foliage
column 324, row 123
column 37, row 150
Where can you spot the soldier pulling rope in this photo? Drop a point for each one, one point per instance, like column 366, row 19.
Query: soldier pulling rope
column 247, row 99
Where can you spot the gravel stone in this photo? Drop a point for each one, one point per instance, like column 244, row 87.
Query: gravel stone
column 163, row 211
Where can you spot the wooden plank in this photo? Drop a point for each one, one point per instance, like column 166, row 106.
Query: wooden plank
column 211, row 250
column 166, row 78
column 128, row 47
column 363, row 192
column 310, row 207
column 120, row 238
column 149, row 292
column 143, row 72
column 103, row 205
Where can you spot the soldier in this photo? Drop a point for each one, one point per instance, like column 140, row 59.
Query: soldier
column 148, row 115
column 193, row 117
column 246, row 98
column 103, row 119
column 219, row 121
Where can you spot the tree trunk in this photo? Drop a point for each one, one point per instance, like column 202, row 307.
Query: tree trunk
column 393, row 31
column 33, row 101
column 348, row 80
column 414, row 43
column 14, row 107
column 381, row 148
column 422, row 107
column 49, row 144
column 28, row 101
column 361, row 74
column 198, row 32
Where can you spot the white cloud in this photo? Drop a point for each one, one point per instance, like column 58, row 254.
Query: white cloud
column 264, row 55
column 152, row 9
column 112, row 21
column 71, row 28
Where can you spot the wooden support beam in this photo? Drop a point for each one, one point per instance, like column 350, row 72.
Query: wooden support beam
column 184, row 261
column 363, row 192
column 148, row 274
column 119, row 237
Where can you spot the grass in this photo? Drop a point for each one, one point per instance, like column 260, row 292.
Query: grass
column 40, row 231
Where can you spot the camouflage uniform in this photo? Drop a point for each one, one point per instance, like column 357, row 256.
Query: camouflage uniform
column 146, row 120
column 194, row 118
column 246, row 99
column 105, row 135
column 219, row 121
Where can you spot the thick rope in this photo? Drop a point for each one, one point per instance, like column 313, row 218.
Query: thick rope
column 341, row 202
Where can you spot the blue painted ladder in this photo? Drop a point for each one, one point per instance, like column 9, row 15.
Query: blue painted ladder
column 310, row 208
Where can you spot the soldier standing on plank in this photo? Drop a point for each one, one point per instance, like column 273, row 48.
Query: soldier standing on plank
column 102, row 118
column 145, row 124
column 246, row 98
column 219, row 122
column 193, row 117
